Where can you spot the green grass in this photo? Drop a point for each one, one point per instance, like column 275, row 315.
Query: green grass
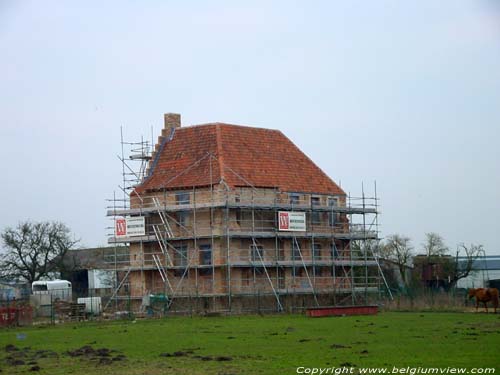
column 265, row 345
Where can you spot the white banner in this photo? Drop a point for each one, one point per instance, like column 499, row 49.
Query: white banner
column 291, row 221
column 136, row 226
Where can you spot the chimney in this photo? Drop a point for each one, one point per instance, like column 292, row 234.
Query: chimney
column 172, row 120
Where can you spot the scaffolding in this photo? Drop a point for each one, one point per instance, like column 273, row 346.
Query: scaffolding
column 218, row 249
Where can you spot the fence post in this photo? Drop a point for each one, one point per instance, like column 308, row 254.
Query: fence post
column 128, row 305
column 258, row 301
column 91, row 305
column 52, row 317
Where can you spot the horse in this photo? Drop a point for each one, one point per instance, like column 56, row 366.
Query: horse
column 485, row 295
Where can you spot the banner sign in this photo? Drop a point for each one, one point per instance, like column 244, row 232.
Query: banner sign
column 130, row 227
column 136, row 226
column 120, row 228
column 292, row 221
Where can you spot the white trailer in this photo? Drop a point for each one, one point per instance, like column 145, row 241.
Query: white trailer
column 54, row 289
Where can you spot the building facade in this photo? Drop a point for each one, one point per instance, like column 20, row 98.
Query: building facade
column 234, row 218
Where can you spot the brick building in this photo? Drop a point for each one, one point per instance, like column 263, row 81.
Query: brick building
column 237, row 218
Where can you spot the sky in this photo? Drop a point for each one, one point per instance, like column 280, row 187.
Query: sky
column 404, row 93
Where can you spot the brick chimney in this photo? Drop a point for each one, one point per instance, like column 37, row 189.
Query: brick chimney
column 171, row 120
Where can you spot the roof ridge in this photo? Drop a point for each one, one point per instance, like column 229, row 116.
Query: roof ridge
column 219, row 151
column 226, row 124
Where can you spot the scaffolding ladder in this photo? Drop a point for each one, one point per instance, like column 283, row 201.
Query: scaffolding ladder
column 280, row 306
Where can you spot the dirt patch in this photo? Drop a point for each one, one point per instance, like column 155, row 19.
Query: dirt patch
column 104, row 352
column 177, row 354
column 347, row 364
column 10, row 348
column 15, row 362
column 102, row 356
column 26, row 356
column 46, row 354
column 223, row 358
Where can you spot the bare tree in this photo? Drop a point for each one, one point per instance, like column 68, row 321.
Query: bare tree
column 32, row 251
column 434, row 245
column 398, row 249
column 463, row 269
column 370, row 246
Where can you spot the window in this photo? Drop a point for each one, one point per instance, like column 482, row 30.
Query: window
column 206, row 260
column 335, row 251
column 296, row 251
column 317, row 251
column 315, row 216
column 180, row 260
column 332, row 216
column 281, row 249
column 258, row 271
column 317, row 271
column 281, row 278
column 245, row 277
column 297, row 271
column 256, row 252
column 39, row 288
column 238, row 216
column 180, row 256
column 182, row 198
column 316, row 257
column 332, row 202
column 205, row 255
column 294, row 198
column 182, row 218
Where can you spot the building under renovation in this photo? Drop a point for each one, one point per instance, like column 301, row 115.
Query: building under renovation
column 229, row 218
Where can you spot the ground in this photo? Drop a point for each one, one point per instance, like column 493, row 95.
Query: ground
column 275, row 344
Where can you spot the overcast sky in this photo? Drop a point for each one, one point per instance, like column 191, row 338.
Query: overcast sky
column 406, row 93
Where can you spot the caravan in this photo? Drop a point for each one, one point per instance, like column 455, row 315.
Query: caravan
column 56, row 289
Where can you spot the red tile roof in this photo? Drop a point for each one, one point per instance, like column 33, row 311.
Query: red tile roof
column 204, row 155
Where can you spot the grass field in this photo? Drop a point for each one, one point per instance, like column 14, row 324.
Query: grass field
column 253, row 344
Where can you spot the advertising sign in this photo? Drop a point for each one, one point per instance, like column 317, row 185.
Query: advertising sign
column 120, row 228
column 136, row 226
column 291, row 221
column 130, row 227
